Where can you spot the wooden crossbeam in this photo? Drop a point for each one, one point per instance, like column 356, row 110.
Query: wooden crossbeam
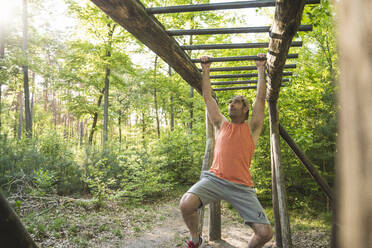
column 242, row 82
column 248, row 75
column 240, row 58
column 238, row 88
column 132, row 15
column 216, row 6
column 263, row 29
column 235, row 46
column 244, row 68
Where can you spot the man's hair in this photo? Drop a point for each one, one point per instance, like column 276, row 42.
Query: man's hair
column 245, row 102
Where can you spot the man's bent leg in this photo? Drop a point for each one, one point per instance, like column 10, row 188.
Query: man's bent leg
column 189, row 205
column 262, row 234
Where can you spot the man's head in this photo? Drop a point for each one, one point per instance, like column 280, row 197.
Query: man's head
column 238, row 106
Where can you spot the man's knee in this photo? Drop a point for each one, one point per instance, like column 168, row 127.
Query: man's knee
column 189, row 203
column 263, row 231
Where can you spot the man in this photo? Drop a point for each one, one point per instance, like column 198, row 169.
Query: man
column 229, row 177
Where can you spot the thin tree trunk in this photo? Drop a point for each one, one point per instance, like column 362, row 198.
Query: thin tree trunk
column 119, row 123
column 20, row 119
column 143, row 129
column 106, row 105
column 25, row 74
column 95, row 118
column 156, row 100
column 32, row 96
column 191, row 108
column 2, row 55
column 81, row 132
column 54, row 108
column 172, row 103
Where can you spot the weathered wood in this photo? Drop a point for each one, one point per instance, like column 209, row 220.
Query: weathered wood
column 215, row 221
column 207, row 163
column 131, row 15
column 307, row 163
column 245, row 68
column 241, row 30
column 354, row 156
column 248, row 75
column 12, row 232
column 288, row 14
column 235, row 46
column 216, row 6
column 240, row 58
column 283, row 232
column 241, row 82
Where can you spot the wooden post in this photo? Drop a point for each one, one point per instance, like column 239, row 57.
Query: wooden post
column 307, row 163
column 283, row 232
column 354, row 160
column 12, row 232
column 288, row 14
column 215, row 208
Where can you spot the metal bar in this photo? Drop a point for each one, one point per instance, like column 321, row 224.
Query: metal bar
column 235, row 46
column 238, row 88
column 245, row 68
column 263, row 29
column 216, row 6
column 244, row 75
column 241, row 58
column 242, row 82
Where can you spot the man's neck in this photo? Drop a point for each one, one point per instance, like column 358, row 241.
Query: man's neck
column 237, row 120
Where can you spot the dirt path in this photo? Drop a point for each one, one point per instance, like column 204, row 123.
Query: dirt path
column 173, row 233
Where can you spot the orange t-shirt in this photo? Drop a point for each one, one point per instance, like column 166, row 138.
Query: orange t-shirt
column 233, row 152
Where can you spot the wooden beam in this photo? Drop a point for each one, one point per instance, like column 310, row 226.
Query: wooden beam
column 12, row 232
column 235, row 46
column 216, row 6
column 307, row 163
column 354, row 157
column 245, row 68
column 248, row 75
column 242, row 82
column 131, row 15
column 209, row 31
column 240, row 58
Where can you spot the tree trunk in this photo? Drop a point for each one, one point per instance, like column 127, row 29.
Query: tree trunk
column 95, row 118
column 25, row 74
column 171, row 102
column 191, row 108
column 2, row 55
column 106, row 104
column 354, row 157
column 156, row 100
column 20, row 120
column 12, row 232
column 119, row 124
column 81, row 132
column 54, row 108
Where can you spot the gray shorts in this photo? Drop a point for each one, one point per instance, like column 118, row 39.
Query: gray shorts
column 244, row 199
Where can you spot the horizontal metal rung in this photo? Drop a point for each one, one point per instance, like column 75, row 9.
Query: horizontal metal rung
column 216, row 6
column 245, row 68
column 242, row 82
column 235, row 46
column 238, row 88
column 263, row 29
column 243, row 75
column 241, row 58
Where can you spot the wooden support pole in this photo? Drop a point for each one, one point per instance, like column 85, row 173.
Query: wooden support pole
column 215, row 208
column 12, row 232
column 354, row 156
column 307, row 163
column 287, row 19
column 283, row 231
column 131, row 15
column 241, row 30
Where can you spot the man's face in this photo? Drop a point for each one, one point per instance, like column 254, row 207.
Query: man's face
column 236, row 108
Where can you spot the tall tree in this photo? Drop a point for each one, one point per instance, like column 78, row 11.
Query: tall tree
column 25, row 72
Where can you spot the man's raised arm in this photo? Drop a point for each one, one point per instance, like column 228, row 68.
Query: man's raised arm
column 258, row 111
column 214, row 112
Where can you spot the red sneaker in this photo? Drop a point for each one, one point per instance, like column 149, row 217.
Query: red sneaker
column 200, row 244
